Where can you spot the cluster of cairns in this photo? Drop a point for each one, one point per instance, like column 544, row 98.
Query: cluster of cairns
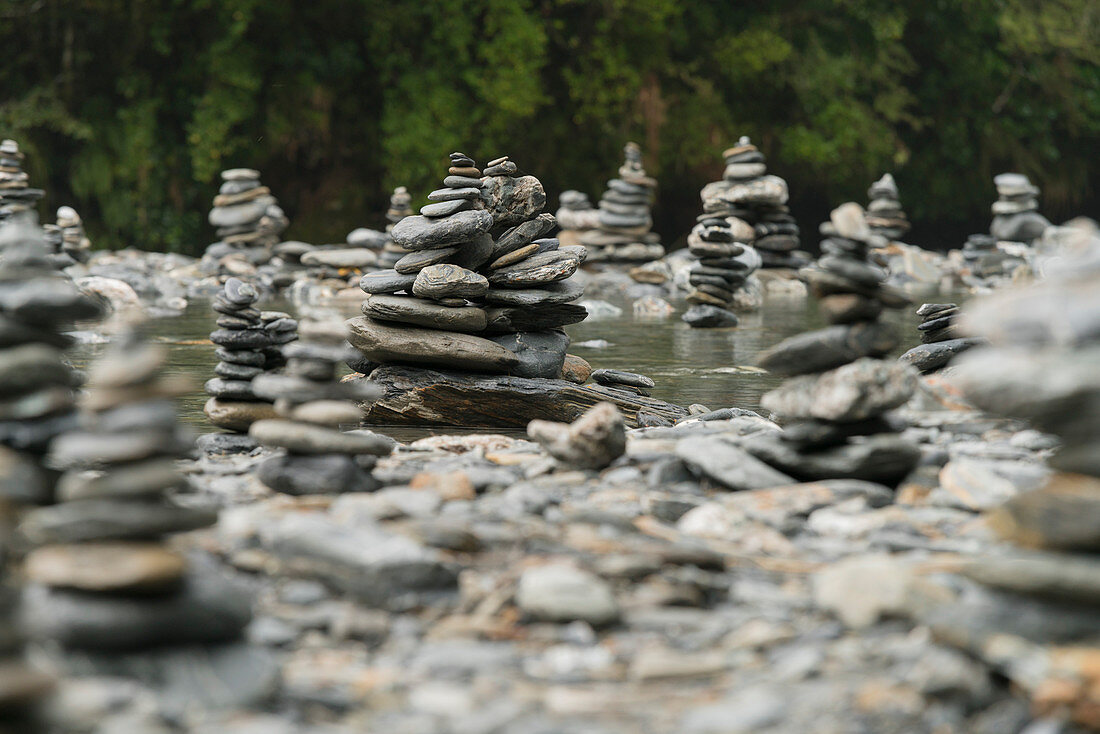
column 885, row 216
column 65, row 240
column 248, row 344
column 723, row 266
column 37, row 402
column 15, row 194
column 940, row 338
column 1042, row 367
column 101, row 574
column 755, row 204
column 480, row 288
column 312, row 407
column 835, row 408
column 388, row 253
column 619, row 229
column 247, row 217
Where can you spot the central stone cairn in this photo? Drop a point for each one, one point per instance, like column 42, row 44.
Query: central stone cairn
column 463, row 299
column 885, row 216
column 15, row 194
column 619, row 230
column 312, row 406
column 757, row 201
column 247, row 217
column 837, row 401
column 248, row 344
column 102, row 576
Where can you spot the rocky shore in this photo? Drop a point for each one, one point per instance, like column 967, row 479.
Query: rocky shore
column 880, row 545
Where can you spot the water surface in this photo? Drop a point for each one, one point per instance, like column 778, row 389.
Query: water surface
column 713, row 367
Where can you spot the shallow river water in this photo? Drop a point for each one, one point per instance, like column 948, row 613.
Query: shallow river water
column 713, row 367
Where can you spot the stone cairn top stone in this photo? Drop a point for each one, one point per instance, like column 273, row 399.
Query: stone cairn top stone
column 885, row 216
column 753, row 200
column 248, row 344
column 311, row 408
column 16, row 195
column 618, row 230
column 102, row 577
column 1043, row 366
column 480, row 288
column 835, row 406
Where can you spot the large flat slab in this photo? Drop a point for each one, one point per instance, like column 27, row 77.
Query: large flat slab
column 414, row 396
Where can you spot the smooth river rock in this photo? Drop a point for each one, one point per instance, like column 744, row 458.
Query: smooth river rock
column 424, row 312
column 381, row 342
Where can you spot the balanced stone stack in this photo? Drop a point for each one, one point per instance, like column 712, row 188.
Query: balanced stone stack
column 102, row 575
column 66, row 242
column 479, row 290
column 247, row 345
column 312, row 407
column 754, row 199
column 247, row 217
column 15, row 194
column 37, row 305
column 835, row 406
column 623, row 221
column 400, row 207
column 885, row 216
column 1044, row 368
column 575, row 213
column 940, row 339
column 723, row 267
column 1016, row 216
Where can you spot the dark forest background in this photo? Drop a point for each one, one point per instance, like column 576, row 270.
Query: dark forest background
column 129, row 109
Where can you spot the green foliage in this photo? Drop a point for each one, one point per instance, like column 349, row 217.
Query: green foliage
column 129, row 110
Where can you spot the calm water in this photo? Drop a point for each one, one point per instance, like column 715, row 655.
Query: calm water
column 709, row 366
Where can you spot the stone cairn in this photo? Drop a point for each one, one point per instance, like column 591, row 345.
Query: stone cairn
column 940, row 340
column 247, row 217
column 248, row 344
column 101, row 574
column 723, row 267
column 37, row 305
column 885, row 216
column 66, row 242
column 312, row 406
column 836, row 403
column 1044, row 367
column 15, row 195
column 400, row 207
column 757, row 201
column 1016, row 216
column 457, row 281
column 619, row 230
